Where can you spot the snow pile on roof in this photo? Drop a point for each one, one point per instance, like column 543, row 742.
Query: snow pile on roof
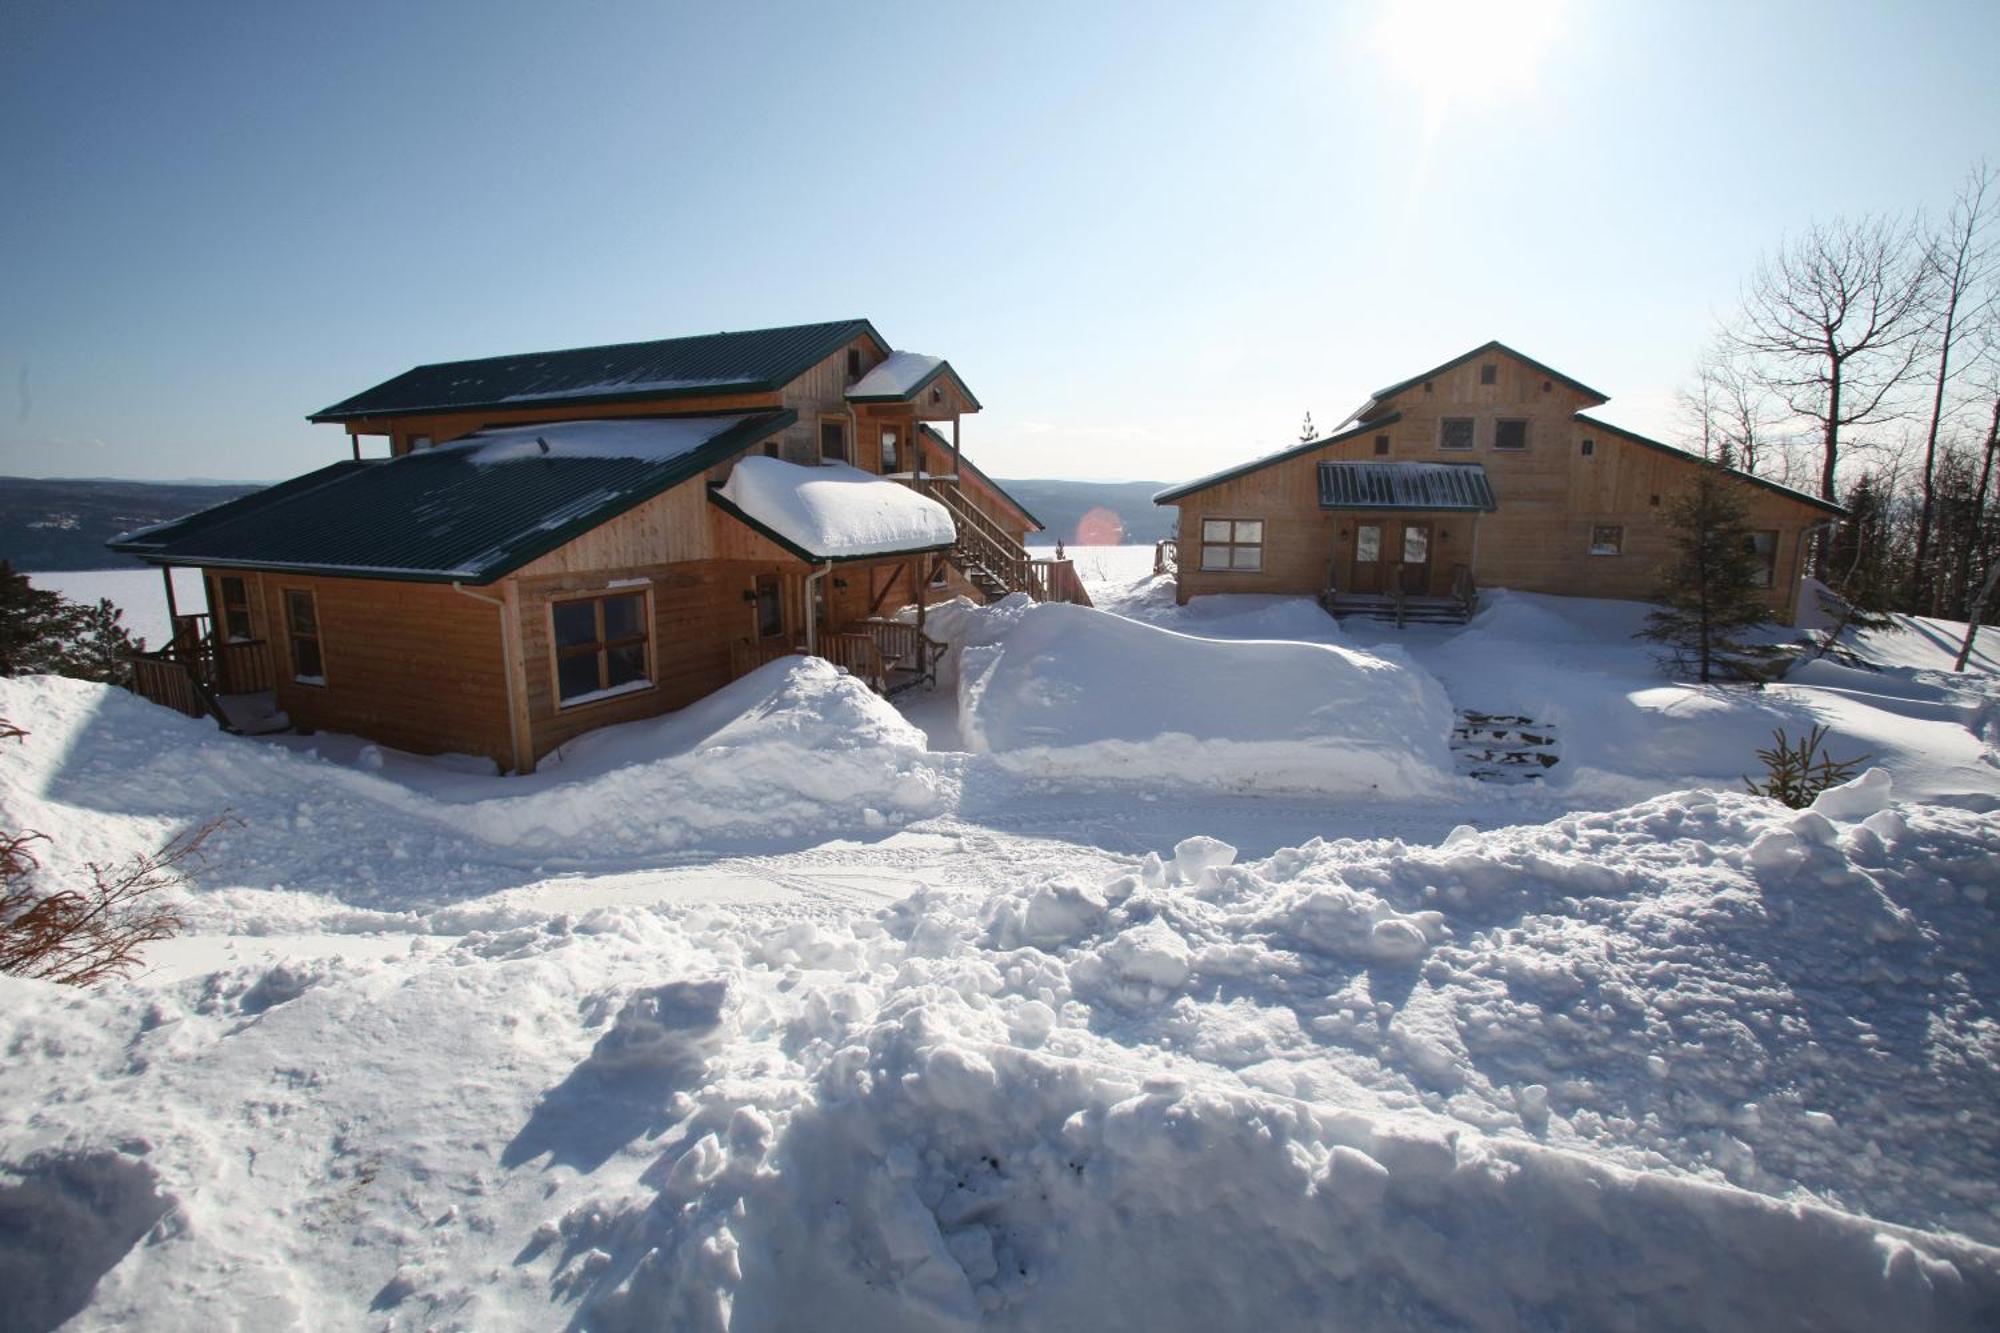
column 653, row 440
column 837, row 512
column 794, row 749
column 1621, row 1070
column 1069, row 691
column 898, row 376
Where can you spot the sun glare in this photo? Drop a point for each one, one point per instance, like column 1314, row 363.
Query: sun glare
column 1466, row 52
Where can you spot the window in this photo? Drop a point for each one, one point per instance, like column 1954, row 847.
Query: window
column 1416, row 544
column 1510, row 433
column 601, row 646
column 1607, row 539
column 419, row 442
column 937, row 395
column 891, row 460
column 853, row 364
column 1589, row 448
column 1368, row 543
column 1381, row 444
column 1232, row 543
column 1489, row 374
column 1455, row 433
column 770, row 610
column 833, row 441
column 234, row 597
column 302, row 626
column 1763, row 548
column 770, row 448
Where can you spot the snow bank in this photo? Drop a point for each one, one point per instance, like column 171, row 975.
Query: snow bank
column 794, row 749
column 1638, row 1069
column 835, row 511
column 1069, row 691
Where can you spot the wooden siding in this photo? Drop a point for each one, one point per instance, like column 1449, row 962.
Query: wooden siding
column 413, row 665
column 1550, row 496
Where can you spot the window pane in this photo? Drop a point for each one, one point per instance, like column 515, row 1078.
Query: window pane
column 833, row 441
column 576, row 622
column 232, row 592
column 624, row 617
column 299, row 612
column 1416, row 545
column 236, row 622
column 889, row 456
column 307, row 659
column 1456, row 433
column 1215, row 557
column 1764, row 543
column 1606, row 540
column 1368, row 543
column 1248, row 557
column 1215, row 530
column 576, row 675
column 770, row 614
column 1250, row 530
column 627, row 663
column 1510, row 435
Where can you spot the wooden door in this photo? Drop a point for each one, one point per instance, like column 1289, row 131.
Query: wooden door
column 1366, row 566
column 1416, row 553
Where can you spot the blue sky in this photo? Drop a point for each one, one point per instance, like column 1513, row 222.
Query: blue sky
column 1150, row 237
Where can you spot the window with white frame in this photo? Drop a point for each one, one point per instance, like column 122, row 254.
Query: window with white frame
column 1232, row 544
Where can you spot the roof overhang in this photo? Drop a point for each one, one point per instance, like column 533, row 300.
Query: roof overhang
column 1443, row 487
column 1173, row 494
column 882, row 385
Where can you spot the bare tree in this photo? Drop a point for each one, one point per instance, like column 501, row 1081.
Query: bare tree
column 1832, row 324
column 1960, row 261
column 1730, row 409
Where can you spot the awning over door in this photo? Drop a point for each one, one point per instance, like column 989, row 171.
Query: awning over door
column 1446, row 486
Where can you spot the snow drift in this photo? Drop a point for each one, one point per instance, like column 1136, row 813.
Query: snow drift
column 1638, row 1069
column 794, row 749
column 1068, row 691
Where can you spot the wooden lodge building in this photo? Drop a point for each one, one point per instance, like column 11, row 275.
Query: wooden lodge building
column 1486, row 470
column 562, row 540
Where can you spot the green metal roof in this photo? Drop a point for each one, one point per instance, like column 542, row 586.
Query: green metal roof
column 470, row 511
column 754, row 361
column 1458, row 487
column 1186, row 488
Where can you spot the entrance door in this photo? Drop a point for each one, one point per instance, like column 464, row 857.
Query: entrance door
column 1367, row 563
column 1416, row 558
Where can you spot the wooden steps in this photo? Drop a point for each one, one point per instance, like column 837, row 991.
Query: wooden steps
column 1503, row 747
column 1404, row 610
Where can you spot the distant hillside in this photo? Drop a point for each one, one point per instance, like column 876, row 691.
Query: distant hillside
column 1061, row 505
column 63, row 524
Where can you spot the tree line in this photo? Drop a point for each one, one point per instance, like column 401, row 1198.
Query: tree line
column 1862, row 365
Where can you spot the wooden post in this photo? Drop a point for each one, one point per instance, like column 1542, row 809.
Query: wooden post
column 956, row 461
column 173, row 611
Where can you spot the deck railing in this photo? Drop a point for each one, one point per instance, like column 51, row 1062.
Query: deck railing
column 168, row 681
column 1167, row 557
column 870, row 650
column 195, row 667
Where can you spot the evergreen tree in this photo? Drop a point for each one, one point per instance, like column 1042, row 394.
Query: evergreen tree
column 43, row 631
column 1710, row 596
column 1861, row 579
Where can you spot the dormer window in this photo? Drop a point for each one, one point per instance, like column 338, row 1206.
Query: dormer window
column 937, row 395
column 1489, row 374
column 853, row 364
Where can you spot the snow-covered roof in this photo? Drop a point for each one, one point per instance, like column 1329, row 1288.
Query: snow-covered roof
column 652, row 440
column 834, row 512
column 898, row 377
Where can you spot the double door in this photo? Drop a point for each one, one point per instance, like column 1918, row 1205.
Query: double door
column 1392, row 555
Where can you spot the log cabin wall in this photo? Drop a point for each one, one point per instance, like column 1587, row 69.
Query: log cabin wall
column 416, row 666
column 1551, row 496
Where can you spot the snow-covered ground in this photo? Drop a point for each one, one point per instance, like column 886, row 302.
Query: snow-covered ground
column 766, row 1016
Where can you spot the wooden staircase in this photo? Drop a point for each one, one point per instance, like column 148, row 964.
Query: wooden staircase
column 1405, row 609
column 989, row 557
column 1503, row 747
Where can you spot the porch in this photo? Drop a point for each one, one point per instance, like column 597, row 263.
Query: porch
column 1405, row 539
column 889, row 656
column 202, row 673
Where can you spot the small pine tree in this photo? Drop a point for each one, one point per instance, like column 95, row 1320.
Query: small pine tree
column 1306, row 432
column 102, row 645
column 1710, row 595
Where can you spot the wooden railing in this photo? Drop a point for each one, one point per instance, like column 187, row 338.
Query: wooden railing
column 1056, row 581
column 1167, row 557
column 242, row 666
column 746, row 655
column 1464, row 589
column 869, row 650
column 857, row 654
column 905, row 647
column 980, row 539
column 170, row 682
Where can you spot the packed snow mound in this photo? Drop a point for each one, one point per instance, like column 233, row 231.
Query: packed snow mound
column 1072, row 692
column 1641, row 1069
column 794, row 749
column 835, row 511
